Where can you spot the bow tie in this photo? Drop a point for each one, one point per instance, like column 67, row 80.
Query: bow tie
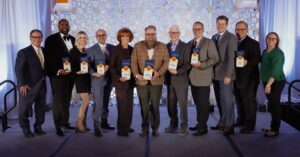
column 66, row 37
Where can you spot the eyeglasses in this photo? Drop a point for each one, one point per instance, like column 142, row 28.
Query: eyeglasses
column 36, row 37
column 273, row 39
column 150, row 34
column 242, row 29
column 197, row 29
column 101, row 35
column 174, row 32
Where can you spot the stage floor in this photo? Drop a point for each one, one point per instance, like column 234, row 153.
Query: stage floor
column 14, row 144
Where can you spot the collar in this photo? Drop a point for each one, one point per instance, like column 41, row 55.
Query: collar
column 102, row 45
column 36, row 48
column 198, row 39
column 176, row 42
column 62, row 35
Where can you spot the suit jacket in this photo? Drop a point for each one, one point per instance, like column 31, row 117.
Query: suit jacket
column 28, row 67
column 227, row 45
column 117, row 55
column 208, row 58
column 160, row 58
column 95, row 54
column 250, row 72
column 183, row 66
column 56, row 50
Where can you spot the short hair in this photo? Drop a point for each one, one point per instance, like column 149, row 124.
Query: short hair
column 277, row 36
column 223, row 17
column 175, row 27
column 150, row 27
column 199, row 23
column 36, row 30
column 102, row 30
column 241, row 22
column 124, row 31
column 62, row 20
column 78, row 35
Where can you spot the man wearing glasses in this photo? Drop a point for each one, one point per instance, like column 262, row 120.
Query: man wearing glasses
column 177, row 82
column 101, row 83
column 247, row 79
column 149, row 91
column 30, row 73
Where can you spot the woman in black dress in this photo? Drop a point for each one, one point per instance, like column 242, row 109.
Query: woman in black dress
column 78, row 59
column 123, row 86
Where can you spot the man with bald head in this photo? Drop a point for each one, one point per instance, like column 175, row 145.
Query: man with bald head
column 177, row 82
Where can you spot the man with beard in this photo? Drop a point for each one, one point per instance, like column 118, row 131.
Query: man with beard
column 149, row 91
column 247, row 79
column 58, row 47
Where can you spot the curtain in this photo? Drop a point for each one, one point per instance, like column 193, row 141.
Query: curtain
column 18, row 18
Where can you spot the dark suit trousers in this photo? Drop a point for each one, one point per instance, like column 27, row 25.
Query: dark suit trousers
column 125, row 108
column 177, row 95
column 106, row 98
column 274, row 103
column 246, row 104
column 62, row 94
column 36, row 95
column 149, row 97
column 216, row 86
column 201, row 99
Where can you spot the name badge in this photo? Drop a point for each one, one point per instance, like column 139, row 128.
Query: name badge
column 66, row 64
column 173, row 60
column 148, row 70
column 126, row 72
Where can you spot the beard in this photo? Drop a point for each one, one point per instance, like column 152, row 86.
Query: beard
column 150, row 44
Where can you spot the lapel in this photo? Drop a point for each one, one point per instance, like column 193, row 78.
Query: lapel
column 145, row 51
column 223, row 38
column 34, row 55
column 98, row 49
column 201, row 43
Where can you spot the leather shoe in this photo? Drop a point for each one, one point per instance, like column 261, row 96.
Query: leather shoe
column 200, row 132
column 97, row 132
column 28, row 133
column 195, row 128
column 144, row 132
column 60, row 132
column 69, row 127
column 154, row 132
column 217, row 127
column 39, row 131
column 107, row 126
column 131, row 130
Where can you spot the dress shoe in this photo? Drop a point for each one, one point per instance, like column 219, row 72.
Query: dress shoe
column 144, row 132
column 69, row 127
column 60, row 132
column 217, row 127
column 154, row 132
column 98, row 132
column 171, row 129
column 200, row 132
column 228, row 131
column 246, row 131
column 28, row 133
column 122, row 134
column 183, row 132
column 131, row 130
column 195, row 128
column 39, row 131
column 271, row 134
column 107, row 126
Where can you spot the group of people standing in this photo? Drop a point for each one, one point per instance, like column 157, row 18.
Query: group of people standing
column 229, row 62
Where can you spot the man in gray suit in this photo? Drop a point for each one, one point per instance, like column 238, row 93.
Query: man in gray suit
column 97, row 54
column 177, row 82
column 201, row 75
column 227, row 44
column 30, row 73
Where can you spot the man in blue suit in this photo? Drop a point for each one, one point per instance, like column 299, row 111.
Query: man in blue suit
column 30, row 72
column 101, row 84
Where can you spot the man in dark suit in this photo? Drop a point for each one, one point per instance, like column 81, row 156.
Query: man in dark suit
column 58, row 46
column 177, row 82
column 30, row 73
column 247, row 79
column 106, row 49
column 226, row 43
column 201, row 76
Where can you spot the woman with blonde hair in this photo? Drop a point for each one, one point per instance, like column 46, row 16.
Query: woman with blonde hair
column 79, row 62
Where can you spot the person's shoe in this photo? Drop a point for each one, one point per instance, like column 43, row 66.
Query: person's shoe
column 60, row 132
column 200, row 132
column 154, row 132
column 107, row 126
column 271, row 134
column 228, row 131
column 39, row 131
column 246, row 131
column 69, row 127
column 171, row 129
column 217, row 127
column 144, row 132
column 28, row 133
column 195, row 128
column 131, row 130
column 97, row 132
column 265, row 130
column 183, row 132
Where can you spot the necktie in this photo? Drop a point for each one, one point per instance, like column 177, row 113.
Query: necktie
column 39, row 53
column 194, row 43
column 66, row 37
column 173, row 47
column 217, row 37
